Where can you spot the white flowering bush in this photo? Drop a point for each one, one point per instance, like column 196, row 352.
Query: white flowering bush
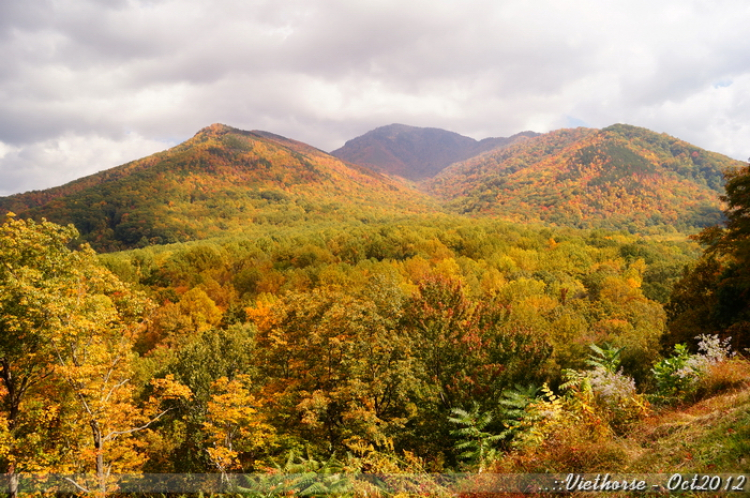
column 606, row 389
column 611, row 394
column 613, row 388
column 606, row 380
column 679, row 375
column 713, row 349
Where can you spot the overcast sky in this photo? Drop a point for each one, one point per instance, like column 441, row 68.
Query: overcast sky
column 86, row 85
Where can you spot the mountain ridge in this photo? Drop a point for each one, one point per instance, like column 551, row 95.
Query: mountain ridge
column 221, row 179
column 225, row 180
column 588, row 177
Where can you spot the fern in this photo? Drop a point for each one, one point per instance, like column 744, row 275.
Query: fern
column 514, row 405
column 607, row 357
column 302, row 476
column 475, row 443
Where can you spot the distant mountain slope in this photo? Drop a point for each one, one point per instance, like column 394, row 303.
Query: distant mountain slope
column 222, row 179
column 616, row 177
column 416, row 153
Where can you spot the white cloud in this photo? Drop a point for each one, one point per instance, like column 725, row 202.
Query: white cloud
column 83, row 72
column 59, row 160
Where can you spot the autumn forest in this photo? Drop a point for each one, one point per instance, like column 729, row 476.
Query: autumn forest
column 247, row 304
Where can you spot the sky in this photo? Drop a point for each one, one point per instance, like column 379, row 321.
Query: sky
column 86, row 85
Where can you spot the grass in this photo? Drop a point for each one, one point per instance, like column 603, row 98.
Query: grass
column 712, row 435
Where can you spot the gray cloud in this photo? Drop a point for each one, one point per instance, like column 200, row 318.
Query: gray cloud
column 89, row 84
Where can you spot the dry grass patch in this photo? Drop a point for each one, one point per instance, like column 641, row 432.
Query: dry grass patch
column 713, row 434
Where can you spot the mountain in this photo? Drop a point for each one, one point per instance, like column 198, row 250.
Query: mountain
column 416, row 153
column 620, row 176
column 221, row 180
column 225, row 181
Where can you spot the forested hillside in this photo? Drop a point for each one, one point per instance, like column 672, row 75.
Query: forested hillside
column 617, row 177
column 225, row 180
column 221, row 180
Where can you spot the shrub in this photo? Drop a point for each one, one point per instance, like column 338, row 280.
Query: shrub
column 674, row 375
column 680, row 375
column 612, row 394
column 563, row 434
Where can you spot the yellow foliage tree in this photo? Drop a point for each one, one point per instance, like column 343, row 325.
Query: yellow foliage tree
column 36, row 269
column 202, row 310
column 67, row 327
column 234, row 429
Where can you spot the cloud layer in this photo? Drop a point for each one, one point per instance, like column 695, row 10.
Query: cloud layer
column 89, row 84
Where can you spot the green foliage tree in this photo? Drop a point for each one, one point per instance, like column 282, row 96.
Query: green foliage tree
column 715, row 294
column 466, row 352
column 198, row 364
column 336, row 368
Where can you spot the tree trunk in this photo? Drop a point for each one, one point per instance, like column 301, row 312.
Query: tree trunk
column 12, row 403
column 12, row 482
column 99, row 447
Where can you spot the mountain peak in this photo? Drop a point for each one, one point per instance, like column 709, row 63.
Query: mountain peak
column 216, row 129
column 413, row 152
column 222, row 179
